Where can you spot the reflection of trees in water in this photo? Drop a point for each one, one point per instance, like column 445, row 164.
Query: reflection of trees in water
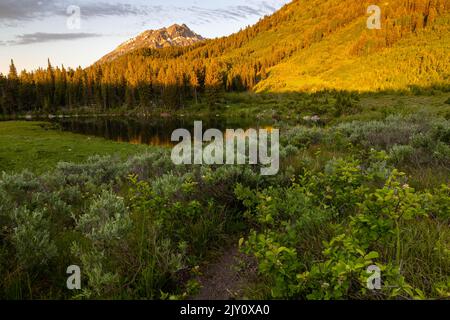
column 148, row 131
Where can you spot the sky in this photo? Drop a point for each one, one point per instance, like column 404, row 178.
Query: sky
column 79, row 32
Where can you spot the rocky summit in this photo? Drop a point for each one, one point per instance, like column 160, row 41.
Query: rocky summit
column 173, row 36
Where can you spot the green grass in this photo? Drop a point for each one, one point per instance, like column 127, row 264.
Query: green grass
column 38, row 147
column 291, row 107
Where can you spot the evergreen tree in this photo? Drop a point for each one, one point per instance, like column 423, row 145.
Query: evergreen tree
column 11, row 96
column 213, row 83
column 49, row 98
column 194, row 84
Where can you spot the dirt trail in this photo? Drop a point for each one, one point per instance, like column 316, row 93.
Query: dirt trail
column 224, row 279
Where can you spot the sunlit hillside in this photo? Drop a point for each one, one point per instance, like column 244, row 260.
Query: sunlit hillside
column 355, row 58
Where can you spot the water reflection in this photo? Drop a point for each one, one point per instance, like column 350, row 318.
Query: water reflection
column 156, row 131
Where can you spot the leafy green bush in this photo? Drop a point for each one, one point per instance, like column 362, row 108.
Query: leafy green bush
column 316, row 239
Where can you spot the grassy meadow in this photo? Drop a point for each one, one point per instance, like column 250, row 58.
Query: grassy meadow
column 39, row 146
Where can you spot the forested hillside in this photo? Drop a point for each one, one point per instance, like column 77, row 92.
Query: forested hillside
column 306, row 46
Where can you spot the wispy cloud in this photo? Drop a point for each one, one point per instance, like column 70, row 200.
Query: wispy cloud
column 13, row 10
column 104, row 9
column 39, row 37
column 231, row 12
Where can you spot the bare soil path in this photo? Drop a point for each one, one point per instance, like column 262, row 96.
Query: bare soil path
column 225, row 279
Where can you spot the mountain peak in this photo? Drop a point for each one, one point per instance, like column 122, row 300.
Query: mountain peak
column 176, row 27
column 174, row 36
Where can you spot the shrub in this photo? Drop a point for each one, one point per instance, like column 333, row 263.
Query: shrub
column 19, row 187
column 401, row 153
column 288, row 224
column 106, row 219
column 96, row 170
column 100, row 282
column 394, row 130
column 288, row 151
column 346, row 104
column 302, row 137
column 31, row 238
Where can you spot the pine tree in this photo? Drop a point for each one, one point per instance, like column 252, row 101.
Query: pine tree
column 213, row 83
column 2, row 93
column 11, row 96
column 194, row 84
column 49, row 99
column 60, row 86
column 12, row 75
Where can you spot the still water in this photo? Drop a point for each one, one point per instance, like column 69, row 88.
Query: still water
column 154, row 131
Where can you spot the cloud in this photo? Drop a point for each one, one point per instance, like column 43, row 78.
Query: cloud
column 13, row 10
column 39, row 37
column 104, row 9
column 228, row 13
column 20, row 10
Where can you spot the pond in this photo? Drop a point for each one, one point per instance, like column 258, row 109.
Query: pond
column 151, row 131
